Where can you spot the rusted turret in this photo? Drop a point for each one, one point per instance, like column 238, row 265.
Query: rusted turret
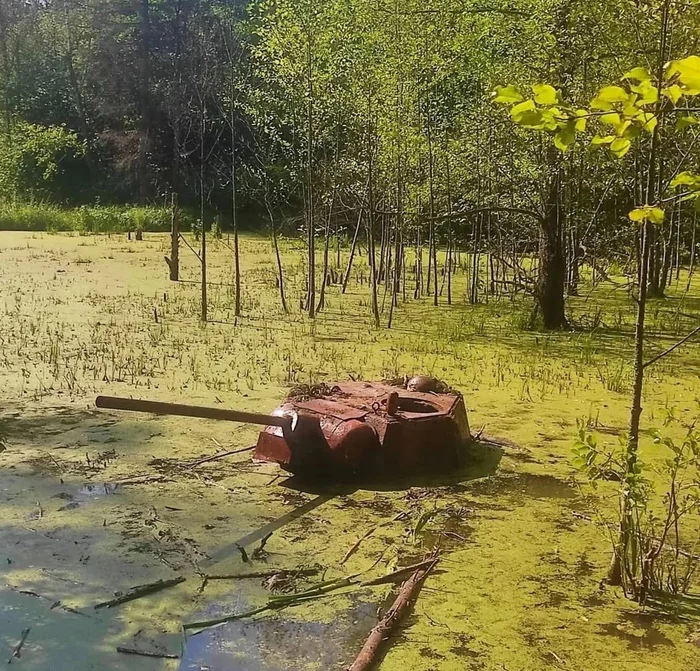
column 346, row 429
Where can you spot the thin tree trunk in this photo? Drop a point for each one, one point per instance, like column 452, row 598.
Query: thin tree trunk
column 144, row 102
column 550, row 280
column 174, row 261
column 371, row 251
column 203, row 255
column 353, row 246
column 449, row 228
column 311, row 299
column 678, row 244
column 280, row 273
column 691, row 268
column 234, row 212
column 618, row 565
column 326, row 249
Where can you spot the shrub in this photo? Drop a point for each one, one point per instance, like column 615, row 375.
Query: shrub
column 43, row 162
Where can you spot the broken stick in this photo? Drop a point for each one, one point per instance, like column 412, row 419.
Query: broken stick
column 399, row 573
column 393, row 616
column 263, row 574
column 355, row 547
column 138, row 592
column 220, row 455
column 146, row 653
column 17, row 650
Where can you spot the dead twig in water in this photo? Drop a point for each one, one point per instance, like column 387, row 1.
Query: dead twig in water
column 146, row 653
column 140, row 591
column 354, row 548
column 139, row 480
column 55, row 461
column 264, row 574
column 399, row 573
column 220, row 455
column 17, row 650
column 277, row 602
column 393, row 616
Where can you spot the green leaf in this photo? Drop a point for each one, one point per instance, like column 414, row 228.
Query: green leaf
column 631, row 110
column 637, row 215
column 548, row 119
column 565, row 137
column 623, row 128
column 630, row 131
column 674, row 93
column 597, row 140
column 609, row 95
column 620, row 146
column 686, row 70
column 686, row 179
column 507, row 95
column 648, row 93
column 518, row 110
column 611, row 119
column 581, row 119
column 648, row 121
column 545, row 94
column 685, row 121
column 639, row 74
column 655, row 215
column 531, row 119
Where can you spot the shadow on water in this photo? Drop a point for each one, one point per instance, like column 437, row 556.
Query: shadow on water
column 480, row 460
column 644, row 636
column 675, row 606
column 262, row 532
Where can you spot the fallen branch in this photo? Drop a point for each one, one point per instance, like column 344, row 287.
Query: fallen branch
column 139, row 480
column 220, row 455
column 140, row 591
column 277, row 602
column 17, row 650
column 393, row 616
column 146, row 653
column 227, row 618
column 399, row 573
column 263, row 574
column 671, row 349
column 354, row 548
column 279, row 573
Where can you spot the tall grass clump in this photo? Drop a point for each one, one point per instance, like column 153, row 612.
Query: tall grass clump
column 34, row 217
column 119, row 219
column 86, row 219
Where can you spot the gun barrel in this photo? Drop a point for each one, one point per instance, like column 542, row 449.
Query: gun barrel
column 158, row 408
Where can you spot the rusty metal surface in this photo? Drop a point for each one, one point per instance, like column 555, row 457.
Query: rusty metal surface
column 348, row 428
column 419, row 431
column 331, row 408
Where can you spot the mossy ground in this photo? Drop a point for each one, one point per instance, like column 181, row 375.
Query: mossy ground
column 518, row 584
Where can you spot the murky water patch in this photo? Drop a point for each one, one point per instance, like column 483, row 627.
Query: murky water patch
column 279, row 643
column 97, row 490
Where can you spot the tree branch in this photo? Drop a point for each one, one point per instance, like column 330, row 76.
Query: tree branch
column 494, row 208
column 671, row 349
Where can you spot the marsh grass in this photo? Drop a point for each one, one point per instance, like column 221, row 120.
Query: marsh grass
column 86, row 219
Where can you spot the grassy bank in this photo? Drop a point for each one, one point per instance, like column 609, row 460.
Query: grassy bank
column 85, row 219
